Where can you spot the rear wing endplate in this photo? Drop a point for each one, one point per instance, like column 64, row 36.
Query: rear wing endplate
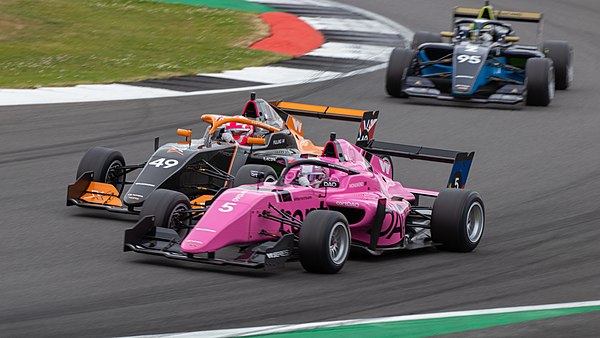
column 461, row 161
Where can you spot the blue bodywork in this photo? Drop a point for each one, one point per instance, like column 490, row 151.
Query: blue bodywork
column 492, row 70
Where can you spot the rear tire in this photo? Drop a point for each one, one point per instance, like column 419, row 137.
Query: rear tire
column 561, row 55
column 324, row 241
column 457, row 220
column 424, row 37
column 244, row 174
column 103, row 162
column 539, row 81
column 398, row 68
column 164, row 205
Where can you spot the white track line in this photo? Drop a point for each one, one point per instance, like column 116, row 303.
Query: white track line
column 80, row 93
column 261, row 330
column 23, row 100
column 353, row 51
column 351, row 25
column 275, row 74
column 406, row 33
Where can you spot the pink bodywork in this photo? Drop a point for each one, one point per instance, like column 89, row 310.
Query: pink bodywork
column 234, row 217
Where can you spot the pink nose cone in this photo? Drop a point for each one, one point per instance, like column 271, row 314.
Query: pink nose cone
column 226, row 222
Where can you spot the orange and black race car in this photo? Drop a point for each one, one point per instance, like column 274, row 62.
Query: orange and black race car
column 264, row 135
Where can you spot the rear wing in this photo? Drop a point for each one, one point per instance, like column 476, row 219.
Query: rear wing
column 489, row 13
column 461, row 161
column 321, row 112
column 287, row 111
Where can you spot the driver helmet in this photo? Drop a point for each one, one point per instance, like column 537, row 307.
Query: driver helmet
column 239, row 131
column 473, row 34
column 480, row 28
column 312, row 176
column 488, row 33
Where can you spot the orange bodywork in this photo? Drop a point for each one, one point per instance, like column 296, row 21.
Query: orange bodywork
column 217, row 120
column 256, row 140
column 200, row 202
column 292, row 124
column 231, row 164
column 307, row 147
column 103, row 194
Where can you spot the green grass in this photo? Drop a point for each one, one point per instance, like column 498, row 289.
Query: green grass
column 68, row 42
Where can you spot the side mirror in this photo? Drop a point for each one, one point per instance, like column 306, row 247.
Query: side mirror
column 256, row 140
column 512, row 38
column 259, row 175
column 187, row 133
column 184, row 132
column 447, row 34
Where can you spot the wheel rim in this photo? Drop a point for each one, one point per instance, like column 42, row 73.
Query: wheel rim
column 175, row 221
column 475, row 220
column 338, row 243
column 112, row 178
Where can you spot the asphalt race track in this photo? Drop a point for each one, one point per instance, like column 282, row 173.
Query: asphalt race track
column 538, row 170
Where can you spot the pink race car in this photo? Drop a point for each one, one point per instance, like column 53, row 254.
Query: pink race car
column 317, row 209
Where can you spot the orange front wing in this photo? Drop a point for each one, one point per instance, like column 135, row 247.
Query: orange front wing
column 101, row 193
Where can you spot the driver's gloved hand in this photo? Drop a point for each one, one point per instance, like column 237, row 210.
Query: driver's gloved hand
column 303, row 181
column 227, row 137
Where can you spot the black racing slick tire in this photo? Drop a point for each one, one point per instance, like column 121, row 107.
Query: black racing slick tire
column 424, row 37
column 457, row 220
column 324, row 242
column 168, row 208
column 561, row 55
column 104, row 163
column 247, row 174
column 539, row 74
column 398, row 68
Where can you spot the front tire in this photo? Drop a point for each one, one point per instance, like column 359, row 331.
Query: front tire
column 104, row 163
column 561, row 55
column 245, row 175
column 324, row 241
column 457, row 220
column 540, row 85
column 168, row 208
column 398, row 68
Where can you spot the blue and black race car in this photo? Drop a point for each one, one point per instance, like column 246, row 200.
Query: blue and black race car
column 482, row 62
